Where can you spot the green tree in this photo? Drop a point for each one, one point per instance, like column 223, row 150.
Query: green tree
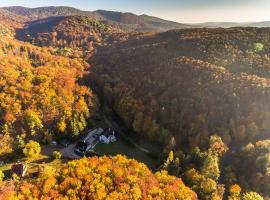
column 1, row 176
column 258, row 47
column 210, row 168
column 32, row 149
column 57, row 155
column 33, row 121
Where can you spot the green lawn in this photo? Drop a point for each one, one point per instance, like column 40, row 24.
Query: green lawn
column 123, row 148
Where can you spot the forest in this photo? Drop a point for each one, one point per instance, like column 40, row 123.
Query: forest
column 164, row 87
column 201, row 94
column 39, row 94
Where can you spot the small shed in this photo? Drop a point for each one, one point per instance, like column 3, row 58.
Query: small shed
column 19, row 169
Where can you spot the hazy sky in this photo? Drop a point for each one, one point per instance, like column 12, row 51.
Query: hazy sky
column 176, row 10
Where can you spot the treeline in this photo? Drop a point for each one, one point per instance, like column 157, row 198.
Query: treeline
column 39, row 94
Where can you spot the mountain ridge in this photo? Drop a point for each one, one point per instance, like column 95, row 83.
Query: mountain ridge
column 127, row 21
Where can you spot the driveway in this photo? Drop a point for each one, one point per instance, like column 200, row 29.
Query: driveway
column 69, row 152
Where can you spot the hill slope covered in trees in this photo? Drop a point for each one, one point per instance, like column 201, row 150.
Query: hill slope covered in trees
column 75, row 35
column 178, row 85
column 126, row 21
column 182, row 88
column 39, row 94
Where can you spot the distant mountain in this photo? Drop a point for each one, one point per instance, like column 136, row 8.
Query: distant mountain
column 219, row 24
column 126, row 21
column 233, row 24
column 140, row 23
column 44, row 12
column 260, row 24
column 10, row 17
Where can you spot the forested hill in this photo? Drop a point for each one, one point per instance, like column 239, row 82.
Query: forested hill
column 197, row 92
column 5, row 15
column 181, row 87
column 191, row 83
column 140, row 23
column 44, row 12
column 9, row 22
column 76, row 34
column 127, row 21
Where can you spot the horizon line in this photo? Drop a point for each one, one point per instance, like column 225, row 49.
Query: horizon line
column 140, row 14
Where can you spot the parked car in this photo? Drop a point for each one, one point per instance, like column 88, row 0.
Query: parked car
column 80, row 148
column 53, row 143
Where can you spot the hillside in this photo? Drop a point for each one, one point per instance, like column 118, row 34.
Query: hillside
column 11, row 17
column 9, row 22
column 126, row 21
column 76, row 35
column 181, row 87
column 39, row 94
column 201, row 94
column 237, row 49
column 140, row 23
column 179, row 82
column 44, row 12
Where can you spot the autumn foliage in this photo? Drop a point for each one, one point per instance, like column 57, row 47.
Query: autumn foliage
column 101, row 178
column 166, row 85
column 39, row 94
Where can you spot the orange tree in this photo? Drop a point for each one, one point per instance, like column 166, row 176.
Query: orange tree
column 102, row 178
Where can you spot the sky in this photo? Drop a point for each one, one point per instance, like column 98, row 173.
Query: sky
column 184, row 11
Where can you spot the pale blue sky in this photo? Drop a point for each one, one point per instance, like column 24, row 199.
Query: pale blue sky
column 176, row 10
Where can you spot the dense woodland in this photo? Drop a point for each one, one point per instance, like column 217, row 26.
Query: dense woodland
column 99, row 178
column 39, row 94
column 203, row 94
column 156, row 88
column 164, row 87
column 76, row 36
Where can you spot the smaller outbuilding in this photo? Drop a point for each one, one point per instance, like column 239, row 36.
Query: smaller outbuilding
column 19, row 169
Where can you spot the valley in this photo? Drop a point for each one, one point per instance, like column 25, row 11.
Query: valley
column 189, row 105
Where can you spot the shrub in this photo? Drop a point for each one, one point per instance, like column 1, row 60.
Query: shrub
column 258, row 47
column 57, row 155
